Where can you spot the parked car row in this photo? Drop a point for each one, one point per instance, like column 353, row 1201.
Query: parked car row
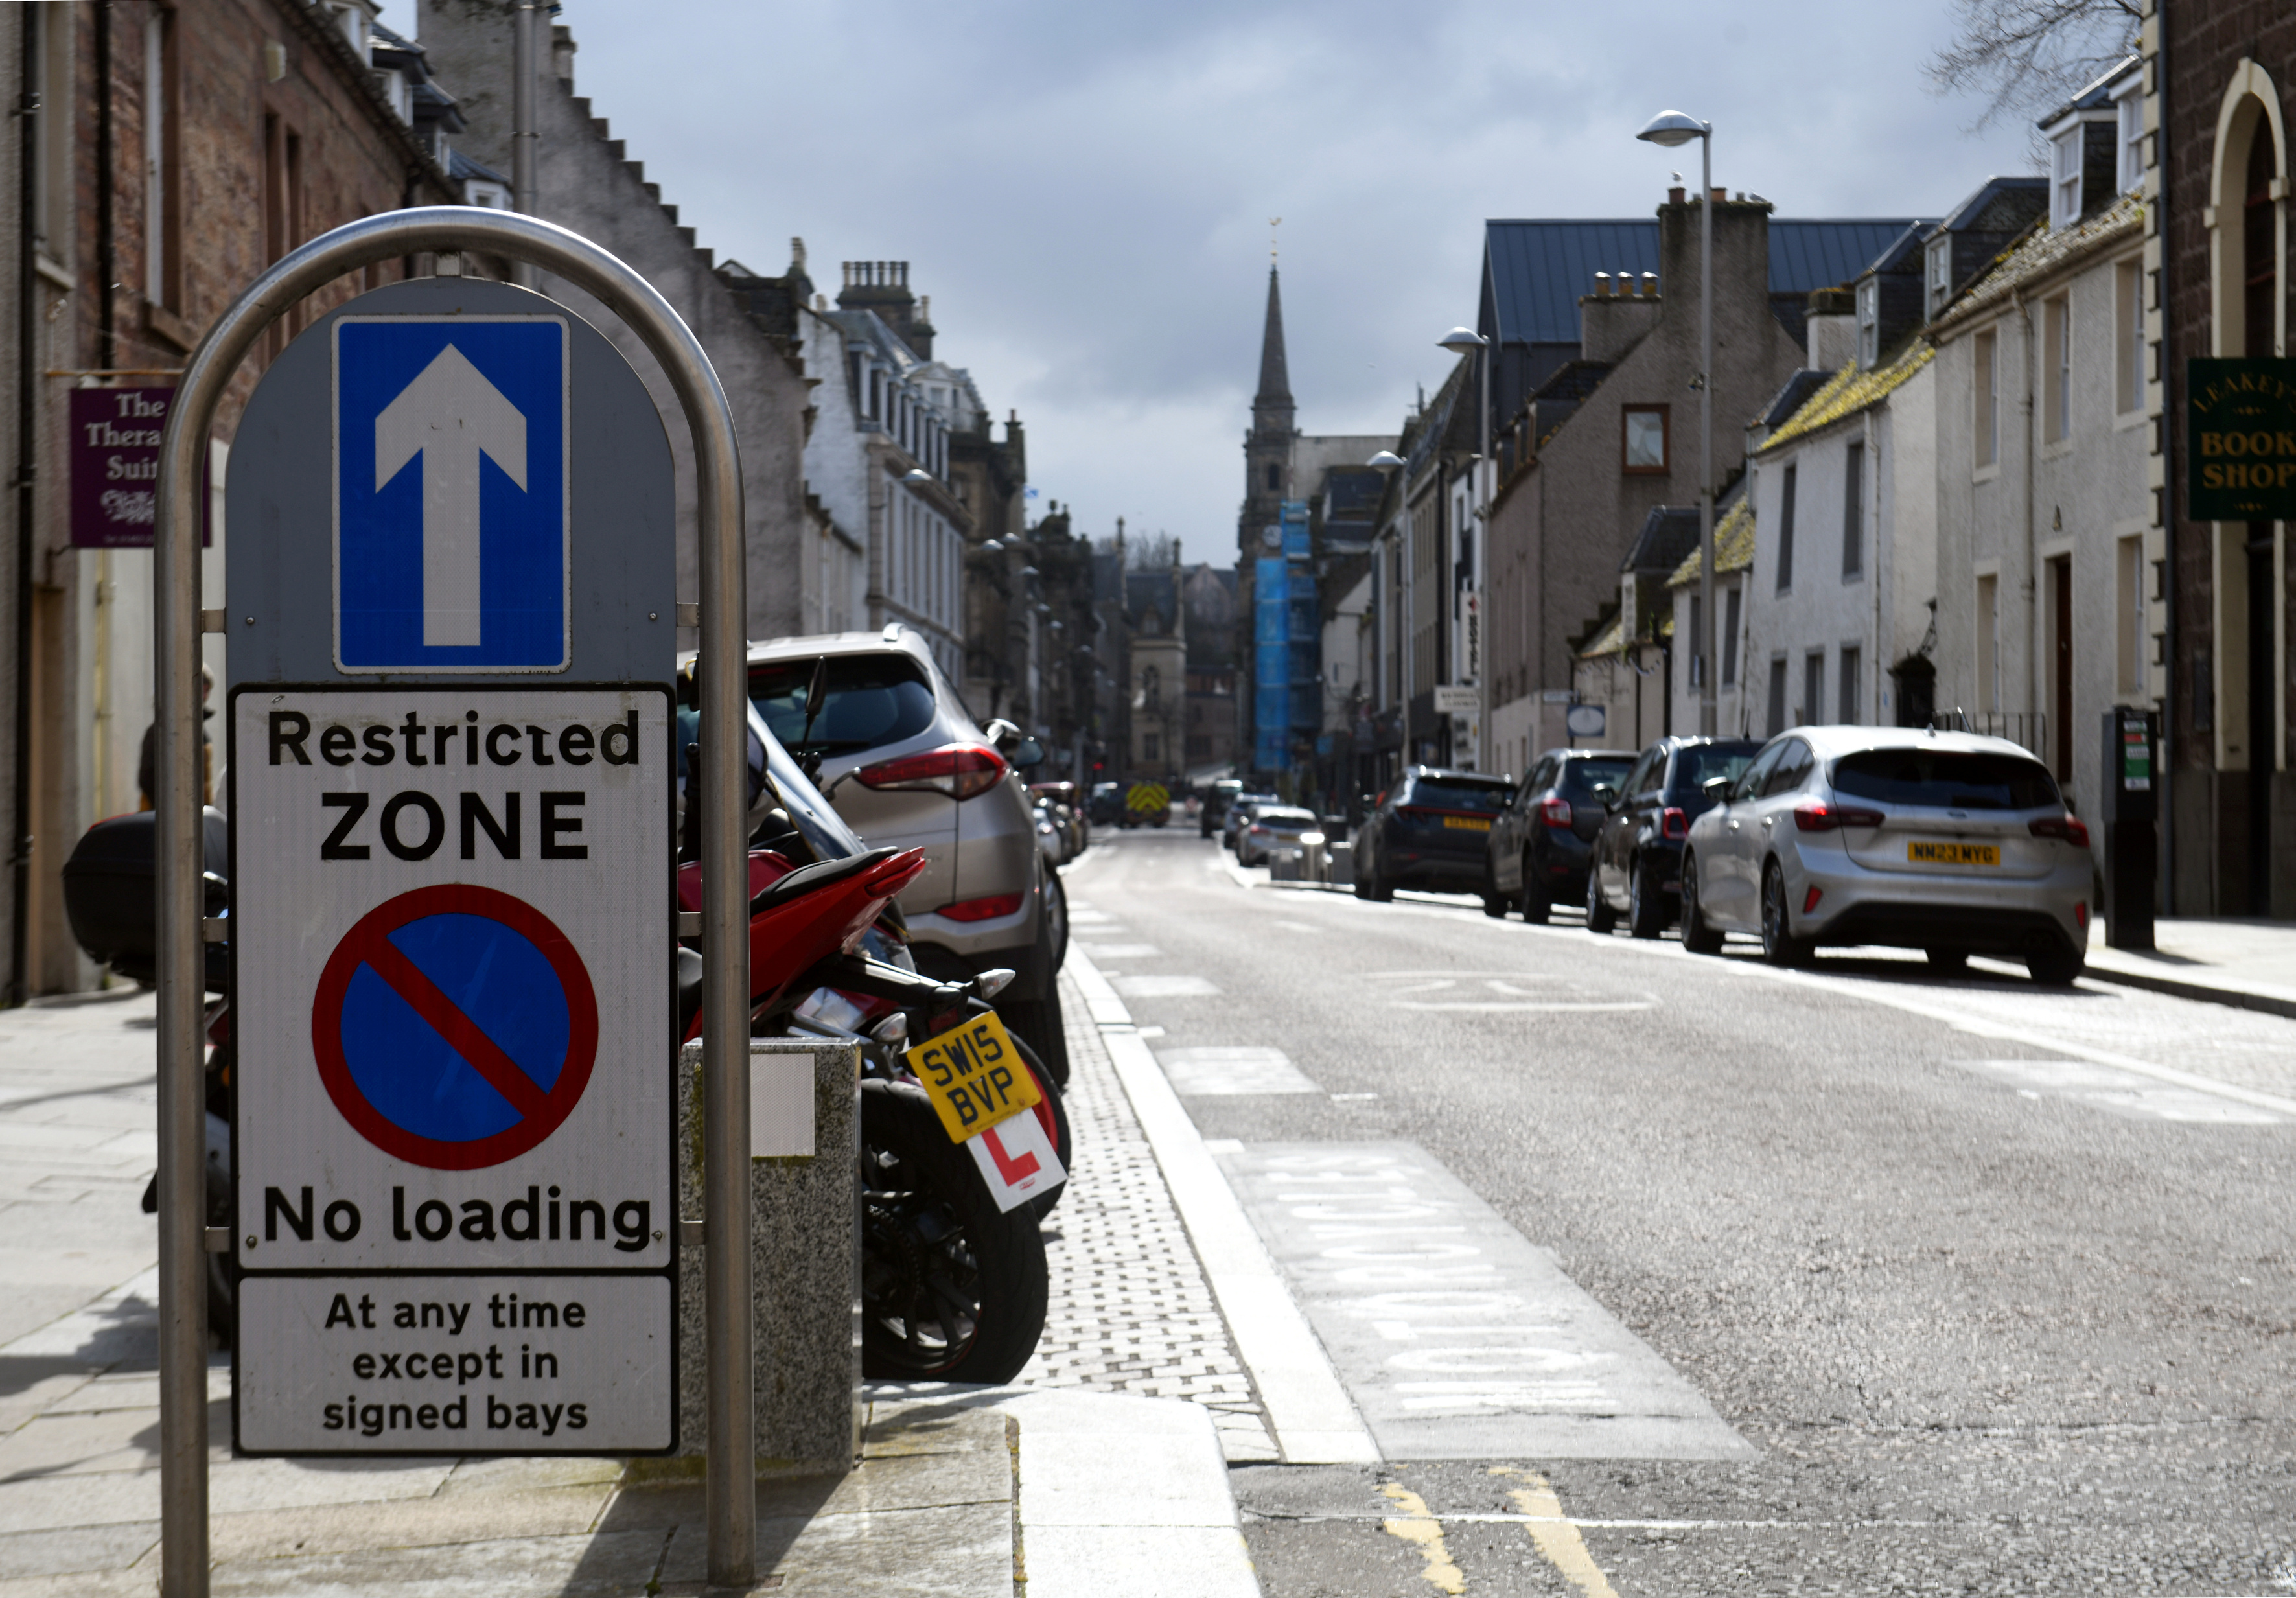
column 1951, row 843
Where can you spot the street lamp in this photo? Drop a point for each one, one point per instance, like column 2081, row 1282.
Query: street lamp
column 1463, row 341
column 1387, row 464
column 1671, row 128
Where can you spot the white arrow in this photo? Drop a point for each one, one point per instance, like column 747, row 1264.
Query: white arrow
column 448, row 415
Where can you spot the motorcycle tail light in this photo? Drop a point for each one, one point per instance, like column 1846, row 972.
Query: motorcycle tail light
column 960, row 770
column 1827, row 818
column 988, row 909
column 1674, row 823
column 2071, row 827
column 1555, row 812
column 993, row 981
column 220, row 1028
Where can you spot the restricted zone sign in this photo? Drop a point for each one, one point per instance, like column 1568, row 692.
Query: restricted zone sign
column 450, row 731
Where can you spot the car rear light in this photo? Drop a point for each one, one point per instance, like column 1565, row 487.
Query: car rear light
column 2071, row 827
column 2080, row 914
column 1673, row 823
column 960, row 770
column 1809, row 900
column 1828, row 818
column 994, row 906
column 1555, row 812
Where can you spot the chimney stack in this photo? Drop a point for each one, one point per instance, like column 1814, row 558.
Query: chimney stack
column 1677, row 195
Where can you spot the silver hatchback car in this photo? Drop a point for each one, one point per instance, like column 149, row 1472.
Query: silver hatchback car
column 1947, row 842
column 902, row 761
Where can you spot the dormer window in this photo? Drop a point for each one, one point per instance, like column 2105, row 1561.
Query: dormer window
column 1869, row 322
column 2129, row 102
column 1937, row 274
column 2065, row 177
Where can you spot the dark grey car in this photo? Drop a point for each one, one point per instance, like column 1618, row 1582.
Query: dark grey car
column 1537, row 851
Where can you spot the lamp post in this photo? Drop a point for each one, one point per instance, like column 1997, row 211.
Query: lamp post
column 1386, row 462
column 1461, row 340
column 1671, row 128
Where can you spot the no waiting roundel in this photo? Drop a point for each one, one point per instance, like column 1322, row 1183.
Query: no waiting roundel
column 455, row 1026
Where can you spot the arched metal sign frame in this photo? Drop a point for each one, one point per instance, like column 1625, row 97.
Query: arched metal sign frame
column 178, row 625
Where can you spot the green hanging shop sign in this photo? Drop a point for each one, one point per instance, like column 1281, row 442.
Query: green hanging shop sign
column 2241, row 431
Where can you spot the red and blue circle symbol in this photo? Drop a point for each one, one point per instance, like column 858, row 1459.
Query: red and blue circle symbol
column 455, row 1026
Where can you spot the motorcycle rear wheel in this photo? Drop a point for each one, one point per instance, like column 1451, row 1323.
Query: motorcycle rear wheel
column 951, row 1290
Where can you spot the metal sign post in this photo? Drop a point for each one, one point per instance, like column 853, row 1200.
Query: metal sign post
column 440, row 628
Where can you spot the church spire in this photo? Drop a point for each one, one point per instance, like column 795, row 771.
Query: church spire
column 1275, row 373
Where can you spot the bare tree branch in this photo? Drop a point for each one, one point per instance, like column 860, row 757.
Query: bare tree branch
column 2029, row 55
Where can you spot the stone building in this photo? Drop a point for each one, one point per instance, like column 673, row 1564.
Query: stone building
column 1598, row 345
column 585, row 180
column 2212, row 132
column 174, row 159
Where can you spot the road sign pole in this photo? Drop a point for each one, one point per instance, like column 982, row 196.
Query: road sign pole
column 178, row 625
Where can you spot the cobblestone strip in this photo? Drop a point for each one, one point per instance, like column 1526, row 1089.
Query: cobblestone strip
column 1130, row 1311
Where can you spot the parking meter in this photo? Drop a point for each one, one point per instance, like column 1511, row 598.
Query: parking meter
column 2131, row 812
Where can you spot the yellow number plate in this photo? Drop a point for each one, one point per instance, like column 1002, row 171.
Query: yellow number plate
column 974, row 1076
column 1933, row 851
column 1467, row 823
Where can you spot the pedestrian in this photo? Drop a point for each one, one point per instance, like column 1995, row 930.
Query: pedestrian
column 147, row 768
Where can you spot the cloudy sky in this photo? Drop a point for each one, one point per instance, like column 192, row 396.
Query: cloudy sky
column 1084, row 190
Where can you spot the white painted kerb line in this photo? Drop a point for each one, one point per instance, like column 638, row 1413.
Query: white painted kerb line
column 1314, row 1421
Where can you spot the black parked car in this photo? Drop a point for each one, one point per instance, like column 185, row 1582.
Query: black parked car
column 1537, row 850
column 1428, row 832
column 1637, row 866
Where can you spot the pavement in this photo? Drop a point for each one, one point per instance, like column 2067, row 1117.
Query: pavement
column 2245, row 963
column 1109, row 1479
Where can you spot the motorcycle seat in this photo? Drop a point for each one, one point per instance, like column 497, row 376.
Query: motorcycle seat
column 809, row 878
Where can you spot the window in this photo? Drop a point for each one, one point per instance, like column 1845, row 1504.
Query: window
column 2057, row 369
column 1730, row 636
column 1940, row 273
column 2065, row 177
column 162, row 274
column 1986, row 350
column 1988, row 623
column 1792, row 769
column 1846, row 706
column 1931, row 779
column 1274, row 477
column 2131, row 107
column 2129, row 606
column 1853, row 510
column 1777, row 722
column 1752, row 780
column 1869, row 322
column 2128, row 314
column 1813, row 687
column 1785, row 529
column 1148, row 747
column 1643, row 429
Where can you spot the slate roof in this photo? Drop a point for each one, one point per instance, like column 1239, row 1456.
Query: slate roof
column 1795, row 395
column 2042, row 252
column 2098, row 94
column 1849, row 390
column 1536, row 269
column 1668, row 531
column 1733, row 545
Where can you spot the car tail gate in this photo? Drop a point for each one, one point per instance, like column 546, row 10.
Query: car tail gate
column 1941, row 813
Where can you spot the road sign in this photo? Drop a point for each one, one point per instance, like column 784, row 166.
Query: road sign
column 455, row 1026
column 451, row 496
column 451, row 923
column 1457, row 699
column 1586, row 721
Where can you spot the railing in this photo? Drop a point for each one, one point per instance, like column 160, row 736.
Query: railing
column 2028, row 729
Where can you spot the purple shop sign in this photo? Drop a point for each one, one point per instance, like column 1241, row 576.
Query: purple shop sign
column 115, row 467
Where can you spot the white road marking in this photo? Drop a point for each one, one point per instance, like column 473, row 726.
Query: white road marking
column 1569, row 993
column 1215, row 1072
column 1123, row 951
column 1079, row 916
column 1458, row 1338
column 1313, row 1419
column 2120, row 1092
column 1295, row 926
column 1164, row 987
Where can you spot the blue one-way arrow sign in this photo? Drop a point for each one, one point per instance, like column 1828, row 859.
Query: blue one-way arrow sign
column 450, row 493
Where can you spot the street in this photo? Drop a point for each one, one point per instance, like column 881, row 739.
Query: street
column 1650, row 1273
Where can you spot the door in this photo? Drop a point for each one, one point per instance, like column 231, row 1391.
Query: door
column 1617, row 837
column 1724, row 893
column 2061, row 666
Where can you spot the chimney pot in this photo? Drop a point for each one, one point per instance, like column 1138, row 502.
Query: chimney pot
column 1720, row 195
column 1602, row 284
column 1650, row 284
column 1675, row 196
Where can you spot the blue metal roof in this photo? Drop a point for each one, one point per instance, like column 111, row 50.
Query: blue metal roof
column 1538, row 269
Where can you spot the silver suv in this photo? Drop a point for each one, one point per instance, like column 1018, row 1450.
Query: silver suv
column 900, row 757
column 1941, row 841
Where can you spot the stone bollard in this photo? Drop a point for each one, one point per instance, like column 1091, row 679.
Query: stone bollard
column 804, row 1246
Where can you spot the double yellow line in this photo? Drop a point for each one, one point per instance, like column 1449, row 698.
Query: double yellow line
column 1552, row 1533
